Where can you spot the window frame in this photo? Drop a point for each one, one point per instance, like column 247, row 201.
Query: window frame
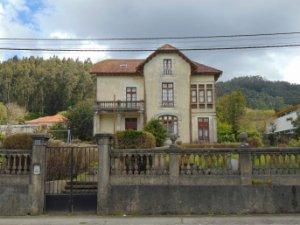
column 167, row 66
column 167, row 94
column 170, row 122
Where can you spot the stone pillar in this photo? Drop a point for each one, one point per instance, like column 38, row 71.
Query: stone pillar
column 104, row 146
column 96, row 123
column 174, row 163
column 245, row 162
column 119, row 121
column 38, row 172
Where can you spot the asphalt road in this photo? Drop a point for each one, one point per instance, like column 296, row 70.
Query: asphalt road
column 202, row 220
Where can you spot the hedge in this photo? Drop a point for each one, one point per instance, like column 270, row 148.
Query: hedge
column 131, row 139
column 18, row 141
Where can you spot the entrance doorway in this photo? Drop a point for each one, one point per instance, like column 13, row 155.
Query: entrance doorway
column 130, row 123
column 203, row 129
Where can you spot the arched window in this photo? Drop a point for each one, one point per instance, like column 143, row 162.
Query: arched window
column 170, row 122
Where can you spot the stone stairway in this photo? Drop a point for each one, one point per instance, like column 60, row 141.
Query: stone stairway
column 80, row 187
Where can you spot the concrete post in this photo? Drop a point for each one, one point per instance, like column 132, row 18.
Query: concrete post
column 245, row 162
column 104, row 145
column 174, row 164
column 38, row 172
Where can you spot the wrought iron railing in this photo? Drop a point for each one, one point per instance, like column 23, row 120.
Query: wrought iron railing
column 119, row 106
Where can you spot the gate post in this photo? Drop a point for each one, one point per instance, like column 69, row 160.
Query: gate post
column 103, row 142
column 38, row 170
column 245, row 163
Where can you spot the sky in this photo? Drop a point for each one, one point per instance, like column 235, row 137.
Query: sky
column 150, row 18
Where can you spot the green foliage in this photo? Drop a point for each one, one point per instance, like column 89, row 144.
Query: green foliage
column 132, row 139
column 18, row 141
column 3, row 113
column 59, row 131
column 261, row 93
column 230, row 109
column 255, row 141
column 224, row 132
column 80, row 120
column 296, row 124
column 210, row 145
column 15, row 113
column 294, row 143
column 254, row 121
column 158, row 130
column 45, row 86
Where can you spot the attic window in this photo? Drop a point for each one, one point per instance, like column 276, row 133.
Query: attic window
column 167, row 67
column 124, row 65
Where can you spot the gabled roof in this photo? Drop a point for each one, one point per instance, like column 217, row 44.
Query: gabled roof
column 135, row 66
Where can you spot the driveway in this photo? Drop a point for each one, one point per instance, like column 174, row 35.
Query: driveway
column 201, row 220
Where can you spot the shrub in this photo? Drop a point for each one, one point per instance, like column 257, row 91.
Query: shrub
column 59, row 131
column 254, row 142
column 294, row 143
column 131, row 139
column 158, row 130
column 18, row 141
column 210, row 145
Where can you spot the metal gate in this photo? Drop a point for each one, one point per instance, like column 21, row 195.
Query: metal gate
column 71, row 179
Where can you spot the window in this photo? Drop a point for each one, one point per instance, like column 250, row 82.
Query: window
column 194, row 96
column 130, row 123
column 203, row 129
column 171, row 123
column 131, row 94
column 167, row 67
column 167, row 95
column 201, row 89
column 209, row 93
column 131, row 97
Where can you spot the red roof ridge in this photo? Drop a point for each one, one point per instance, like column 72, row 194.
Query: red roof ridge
column 167, row 47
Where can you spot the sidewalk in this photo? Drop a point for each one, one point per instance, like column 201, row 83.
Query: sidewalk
column 200, row 220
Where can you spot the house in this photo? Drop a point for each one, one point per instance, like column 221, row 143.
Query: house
column 167, row 85
column 281, row 122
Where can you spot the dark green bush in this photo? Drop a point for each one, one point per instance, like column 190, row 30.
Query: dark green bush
column 158, row 130
column 131, row 139
column 59, row 132
column 18, row 141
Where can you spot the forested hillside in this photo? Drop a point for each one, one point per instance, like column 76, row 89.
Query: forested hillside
column 261, row 93
column 45, row 86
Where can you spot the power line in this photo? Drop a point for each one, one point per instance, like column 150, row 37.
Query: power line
column 149, row 50
column 151, row 38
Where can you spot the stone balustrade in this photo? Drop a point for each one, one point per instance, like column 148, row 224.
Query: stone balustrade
column 205, row 166
column 15, row 161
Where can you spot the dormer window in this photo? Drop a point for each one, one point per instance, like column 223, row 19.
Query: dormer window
column 167, row 67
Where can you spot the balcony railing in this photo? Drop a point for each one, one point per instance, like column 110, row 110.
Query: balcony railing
column 119, row 106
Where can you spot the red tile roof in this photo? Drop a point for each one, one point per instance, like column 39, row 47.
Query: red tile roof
column 116, row 66
column 58, row 118
column 135, row 66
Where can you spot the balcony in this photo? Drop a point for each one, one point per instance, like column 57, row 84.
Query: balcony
column 119, row 106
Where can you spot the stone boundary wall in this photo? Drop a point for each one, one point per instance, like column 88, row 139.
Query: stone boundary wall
column 22, row 179
column 188, row 200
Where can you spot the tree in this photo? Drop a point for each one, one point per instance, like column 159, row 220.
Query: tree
column 231, row 108
column 80, row 119
column 3, row 113
column 296, row 124
column 15, row 113
column 158, row 130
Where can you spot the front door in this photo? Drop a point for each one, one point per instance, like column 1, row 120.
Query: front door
column 130, row 123
column 203, row 129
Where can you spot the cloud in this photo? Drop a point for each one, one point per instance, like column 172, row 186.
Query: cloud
column 119, row 18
